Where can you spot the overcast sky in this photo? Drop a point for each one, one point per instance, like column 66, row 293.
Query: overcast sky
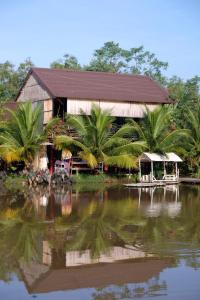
column 47, row 29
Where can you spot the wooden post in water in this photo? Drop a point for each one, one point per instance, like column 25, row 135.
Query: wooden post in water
column 140, row 174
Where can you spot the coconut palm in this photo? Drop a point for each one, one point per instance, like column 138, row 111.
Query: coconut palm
column 23, row 134
column 98, row 141
column 156, row 131
column 193, row 124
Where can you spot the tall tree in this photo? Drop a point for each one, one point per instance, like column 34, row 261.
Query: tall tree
column 193, row 123
column 186, row 96
column 68, row 61
column 112, row 58
column 11, row 78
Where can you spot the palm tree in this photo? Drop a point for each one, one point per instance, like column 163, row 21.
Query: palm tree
column 193, row 124
column 98, row 142
column 156, row 132
column 23, row 134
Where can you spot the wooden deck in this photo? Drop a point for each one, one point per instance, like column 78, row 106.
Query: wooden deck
column 189, row 180
column 144, row 184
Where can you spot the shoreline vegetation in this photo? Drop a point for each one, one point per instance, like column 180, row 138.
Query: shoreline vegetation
column 18, row 183
column 98, row 143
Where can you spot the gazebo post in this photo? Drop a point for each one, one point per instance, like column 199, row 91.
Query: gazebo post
column 151, row 171
column 176, row 170
column 164, row 169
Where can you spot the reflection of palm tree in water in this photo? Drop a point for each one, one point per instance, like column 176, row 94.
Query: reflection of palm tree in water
column 101, row 225
column 21, row 232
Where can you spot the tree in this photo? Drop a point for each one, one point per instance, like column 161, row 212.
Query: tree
column 112, row 58
column 8, row 81
column 23, row 134
column 97, row 142
column 193, row 124
column 109, row 58
column 69, row 62
column 186, row 96
column 23, row 70
column 11, row 78
column 156, row 133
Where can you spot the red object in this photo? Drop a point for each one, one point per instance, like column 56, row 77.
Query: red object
column 51, row 169
column 106, row 168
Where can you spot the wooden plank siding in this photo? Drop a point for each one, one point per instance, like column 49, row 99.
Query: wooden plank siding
column 118, row 109
column 48, row 110
column 32, row 91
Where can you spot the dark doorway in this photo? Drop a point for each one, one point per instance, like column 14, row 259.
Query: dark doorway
column 60, row 107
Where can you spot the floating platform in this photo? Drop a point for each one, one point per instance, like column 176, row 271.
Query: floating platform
column 190, row 180
column 150, row 184
column 144, row 184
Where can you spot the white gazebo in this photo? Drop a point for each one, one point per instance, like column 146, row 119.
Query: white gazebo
column 165, row 158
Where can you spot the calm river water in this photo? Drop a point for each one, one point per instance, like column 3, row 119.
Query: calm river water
column 103, row 244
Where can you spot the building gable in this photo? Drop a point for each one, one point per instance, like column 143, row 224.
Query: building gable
column 32, row 91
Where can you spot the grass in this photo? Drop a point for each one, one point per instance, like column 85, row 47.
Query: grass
column 102, row 178
column 15, row 183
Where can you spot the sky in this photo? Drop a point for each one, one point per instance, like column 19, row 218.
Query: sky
column 45, row 30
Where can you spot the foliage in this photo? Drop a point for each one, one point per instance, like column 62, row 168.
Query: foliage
column 193, row 123
column 23, row 134
column 111, row 57
column 186, row 96
column 98, row 142
column 15, row 183
column 11, row 78
column 156, row 133
column 69, row 62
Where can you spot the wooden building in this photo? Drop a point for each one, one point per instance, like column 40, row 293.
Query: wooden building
column 65, row 91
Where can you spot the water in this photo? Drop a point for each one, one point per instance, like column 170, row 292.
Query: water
column 100, row 243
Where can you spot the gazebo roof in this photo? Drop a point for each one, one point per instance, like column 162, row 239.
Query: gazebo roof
column 167, row 157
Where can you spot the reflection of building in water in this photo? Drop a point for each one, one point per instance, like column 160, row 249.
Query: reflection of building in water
column 76, row 269
column 163, row 200
column 50, row 204
column 78, row 258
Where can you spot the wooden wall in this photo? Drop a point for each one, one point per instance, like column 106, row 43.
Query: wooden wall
column 118, row 109
column 32, row 91
column 48, row 110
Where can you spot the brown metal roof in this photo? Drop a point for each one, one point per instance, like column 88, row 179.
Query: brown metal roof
column 95, row 276
column 100, row 86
